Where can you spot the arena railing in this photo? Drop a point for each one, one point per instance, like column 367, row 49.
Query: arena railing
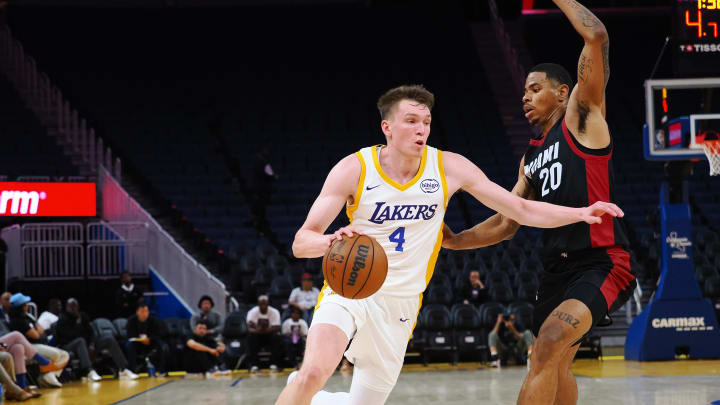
column 512, row 61
column 189, row 279
column 51, row 107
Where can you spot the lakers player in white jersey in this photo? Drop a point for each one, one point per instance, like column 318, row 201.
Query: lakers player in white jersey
column 397, row 194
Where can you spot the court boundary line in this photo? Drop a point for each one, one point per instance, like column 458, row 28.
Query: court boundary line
column 143, row 392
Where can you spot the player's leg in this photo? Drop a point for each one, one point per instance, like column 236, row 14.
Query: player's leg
column 565, row 325
column 378, row 349
column 325, row 346
column 363, row 395
column 326, row 342
column 567, row 391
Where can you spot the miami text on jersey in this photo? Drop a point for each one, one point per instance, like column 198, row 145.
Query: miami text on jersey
column 548, row 155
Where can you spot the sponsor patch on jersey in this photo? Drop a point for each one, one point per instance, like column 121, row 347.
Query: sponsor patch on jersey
column 429, row 185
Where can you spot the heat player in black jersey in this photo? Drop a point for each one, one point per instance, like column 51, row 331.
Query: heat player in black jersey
column 586, row 268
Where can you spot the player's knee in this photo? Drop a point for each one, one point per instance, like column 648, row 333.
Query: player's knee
column 312, row 378
column 551, row 344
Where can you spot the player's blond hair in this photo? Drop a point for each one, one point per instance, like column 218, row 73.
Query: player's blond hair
column 415, row 92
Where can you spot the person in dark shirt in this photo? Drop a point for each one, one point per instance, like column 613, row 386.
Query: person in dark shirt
column 73, row 332
column 146, row 337
column 126, row 297
column 212, row 319
column 202, row 351
column 474, row 292
column 509, row 337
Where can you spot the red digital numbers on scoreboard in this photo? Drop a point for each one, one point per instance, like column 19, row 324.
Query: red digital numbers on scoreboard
column 704, row 19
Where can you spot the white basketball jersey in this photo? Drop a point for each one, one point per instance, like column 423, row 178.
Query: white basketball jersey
column 406, row 220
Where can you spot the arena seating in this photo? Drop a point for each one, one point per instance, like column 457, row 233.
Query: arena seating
column 27, row 152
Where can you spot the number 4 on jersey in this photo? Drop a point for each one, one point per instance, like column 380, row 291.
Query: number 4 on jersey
column 398, row 236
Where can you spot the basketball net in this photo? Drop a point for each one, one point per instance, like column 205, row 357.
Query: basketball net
column 712, row 151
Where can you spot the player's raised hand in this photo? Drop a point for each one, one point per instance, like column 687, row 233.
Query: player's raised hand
column 348, row 231
column 593, row 214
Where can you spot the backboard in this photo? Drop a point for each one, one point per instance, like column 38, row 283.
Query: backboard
column 679, row 113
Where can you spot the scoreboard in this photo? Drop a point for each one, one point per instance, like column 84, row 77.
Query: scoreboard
column 696, row 37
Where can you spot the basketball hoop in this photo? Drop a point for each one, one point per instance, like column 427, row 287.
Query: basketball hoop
column 712, row 151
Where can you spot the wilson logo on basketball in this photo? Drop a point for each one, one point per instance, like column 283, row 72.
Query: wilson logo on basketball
column 359, row 264
column 429, row 185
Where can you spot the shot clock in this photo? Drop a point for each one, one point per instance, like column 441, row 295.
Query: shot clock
column 696, row 37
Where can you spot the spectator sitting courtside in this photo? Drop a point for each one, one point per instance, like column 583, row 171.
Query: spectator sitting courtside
column 24, row 323
column 263, row 323
column 146, row 336
column 304, row 297
column 295, row 331
column 509, row 337
column 202, row 352
column 20, row 348
column 474, row 291
column 126, row 297
column 47, row 319
column 73, row 332
column 212, row 319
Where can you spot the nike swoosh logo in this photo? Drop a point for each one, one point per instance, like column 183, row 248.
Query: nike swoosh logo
column 370, row 188
column 404, row 319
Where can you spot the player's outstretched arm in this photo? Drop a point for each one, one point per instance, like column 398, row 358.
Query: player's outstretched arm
column 586, row 106
column 463, row 174
column 493, row 230
column 310, row 240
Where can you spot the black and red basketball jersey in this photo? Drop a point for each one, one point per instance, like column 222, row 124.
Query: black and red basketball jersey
column 563, row 172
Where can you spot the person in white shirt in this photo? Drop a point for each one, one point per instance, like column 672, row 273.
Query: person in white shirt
column 263, row 323
column 304, row 297
column 295, row 330
column 48, row 318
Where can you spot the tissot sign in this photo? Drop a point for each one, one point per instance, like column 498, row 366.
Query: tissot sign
column 47, row 199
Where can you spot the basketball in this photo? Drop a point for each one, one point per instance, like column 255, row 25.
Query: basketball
column 355, row 267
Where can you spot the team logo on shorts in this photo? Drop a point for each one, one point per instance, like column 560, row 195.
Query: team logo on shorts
column 429, row 185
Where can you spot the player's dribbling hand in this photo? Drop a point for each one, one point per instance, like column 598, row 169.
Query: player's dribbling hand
column 347, row 231
column 593, row 214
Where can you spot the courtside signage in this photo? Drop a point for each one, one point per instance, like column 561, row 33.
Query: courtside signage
column 47, row 199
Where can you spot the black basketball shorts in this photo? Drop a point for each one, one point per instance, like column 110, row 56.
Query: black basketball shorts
column 601, row 278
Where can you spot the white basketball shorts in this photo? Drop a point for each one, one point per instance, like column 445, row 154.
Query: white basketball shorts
column 379, row 326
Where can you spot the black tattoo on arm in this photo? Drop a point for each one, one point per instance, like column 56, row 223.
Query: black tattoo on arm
column 606, row 60
column 565, row 317
column 584, row 68
column 587, row 18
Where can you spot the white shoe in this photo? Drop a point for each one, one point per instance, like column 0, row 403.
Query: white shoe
column 50, row 380
column 127, row 374
column 254, row 369
column 528, row 364
column 273, row 367
column 291, row 377
column 494, row 363
column 93, row 376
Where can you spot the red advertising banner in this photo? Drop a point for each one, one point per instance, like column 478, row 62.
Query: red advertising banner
column 47, row 199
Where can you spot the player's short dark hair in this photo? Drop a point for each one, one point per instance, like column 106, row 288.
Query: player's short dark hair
column 415, row 92
column 200, row 322
column 555, row 72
